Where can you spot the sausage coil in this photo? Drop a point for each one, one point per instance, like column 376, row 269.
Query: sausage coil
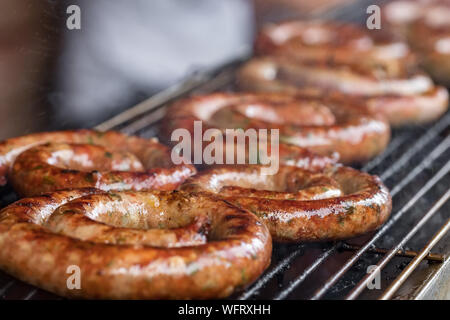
column 299, row 205
column 133, row 245
column 333, row 57
column 322, row 125
column 45, row 162
column 426, row 26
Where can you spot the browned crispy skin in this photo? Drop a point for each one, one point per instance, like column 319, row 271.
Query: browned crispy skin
column 50, row 161
column 118, row 258
column 328, row 57
column 318, row 211
column 354, row 133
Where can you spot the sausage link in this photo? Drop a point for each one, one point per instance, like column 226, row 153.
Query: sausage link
column 339, row 203
column 45, row 162
column 326, row 56
column 133, row 245
column 338, row 125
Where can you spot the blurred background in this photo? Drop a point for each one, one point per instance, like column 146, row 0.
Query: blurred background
column 55, row 78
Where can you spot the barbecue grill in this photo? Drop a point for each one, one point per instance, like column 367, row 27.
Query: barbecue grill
column 408, row 255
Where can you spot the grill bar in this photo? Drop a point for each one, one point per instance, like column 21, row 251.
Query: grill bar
column 400, row 253
column 334, row 278
column 392, row 146
column 152, row 103
column 217, row 82
column 439, row 150
column 418, row 145
column 30, row 295
column 306, row 273
column 263, row 280
column 6, row 287
column 369, row 277
column 394, row 286
column 208, row 80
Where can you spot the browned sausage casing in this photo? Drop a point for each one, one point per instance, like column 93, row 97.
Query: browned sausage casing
column 332, row 124
column 44, row 162
column 328, row 57
column 299, row 205
column 133, row 245
column 426, row 26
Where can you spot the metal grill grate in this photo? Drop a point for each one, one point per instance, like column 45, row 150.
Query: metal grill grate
column 415, row 167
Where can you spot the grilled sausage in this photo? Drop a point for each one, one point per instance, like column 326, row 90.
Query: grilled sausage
column 430, row 37
column 133, row 245
column 299, row 205
column 333, row 42
column 324, row 126
column 44, row 162
column 382, row 72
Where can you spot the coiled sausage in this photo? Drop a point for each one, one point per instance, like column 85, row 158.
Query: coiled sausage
column 50, row 161
column 299, row 205
column 133, row 245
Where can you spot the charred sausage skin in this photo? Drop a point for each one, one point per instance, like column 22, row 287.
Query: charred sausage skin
column 45, row 162
column 354, row 133
column 35, row 247
column 354, row 204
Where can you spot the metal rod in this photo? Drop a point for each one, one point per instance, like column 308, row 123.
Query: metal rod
column 6, row 287
column 417, row 146
column 395, row 285
column 144, row 122
column 441, row 148
column 392, row 146
column 383, row 262
column 178, row 89
column 302, row 277
column 268, row 276
column 335, row 277
column 432, row 257
column 30, row 294
column 152, row 102
column 150, row 119
column 223, row 79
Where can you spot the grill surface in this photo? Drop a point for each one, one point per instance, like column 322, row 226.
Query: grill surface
column 415, row 167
